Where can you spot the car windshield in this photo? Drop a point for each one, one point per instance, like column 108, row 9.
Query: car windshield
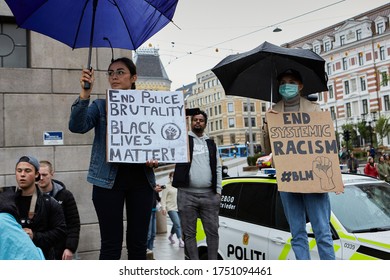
column 363, row 207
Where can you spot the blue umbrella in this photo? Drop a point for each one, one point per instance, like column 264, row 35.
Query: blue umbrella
column 125, row 24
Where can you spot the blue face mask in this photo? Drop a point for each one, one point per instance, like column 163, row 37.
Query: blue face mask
column 288, row 91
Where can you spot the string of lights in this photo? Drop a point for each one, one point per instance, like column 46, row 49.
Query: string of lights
column 217, row 45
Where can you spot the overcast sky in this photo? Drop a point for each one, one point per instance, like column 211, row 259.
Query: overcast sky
column 238, row 26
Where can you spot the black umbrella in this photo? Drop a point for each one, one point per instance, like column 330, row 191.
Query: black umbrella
column 253, row 73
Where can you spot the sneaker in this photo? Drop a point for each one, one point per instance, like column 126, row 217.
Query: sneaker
column 149, row 254
column 181, row 244
column 170, row 238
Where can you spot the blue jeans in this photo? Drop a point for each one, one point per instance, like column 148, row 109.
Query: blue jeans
column 152, row 230
column 176, row 228
column 317, row 207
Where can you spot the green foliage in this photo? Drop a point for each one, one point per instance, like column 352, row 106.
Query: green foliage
column 382, row 128
column 252, row 160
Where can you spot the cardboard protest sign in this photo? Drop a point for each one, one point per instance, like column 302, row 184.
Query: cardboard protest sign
column 144, row 125
column 304, row 151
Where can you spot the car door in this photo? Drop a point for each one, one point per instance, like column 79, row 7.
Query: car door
column 245, row 216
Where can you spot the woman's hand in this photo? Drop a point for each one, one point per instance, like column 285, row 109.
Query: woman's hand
column 87, row 75
column 152, row 163
column 270, row 110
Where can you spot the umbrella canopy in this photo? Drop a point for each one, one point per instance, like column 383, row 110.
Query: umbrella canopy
column 253, row 74
column 126, row 23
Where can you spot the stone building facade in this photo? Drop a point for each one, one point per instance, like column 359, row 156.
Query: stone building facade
column 357, row 55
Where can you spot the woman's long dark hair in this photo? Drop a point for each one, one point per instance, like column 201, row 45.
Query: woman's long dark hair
column 129, row 64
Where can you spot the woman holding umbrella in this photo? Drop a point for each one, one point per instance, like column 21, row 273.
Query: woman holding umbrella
column 115, row 183
column 298, row 205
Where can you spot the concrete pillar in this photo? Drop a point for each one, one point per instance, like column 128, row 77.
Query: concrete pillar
column 161, row 223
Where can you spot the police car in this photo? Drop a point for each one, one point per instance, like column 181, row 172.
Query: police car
column 252, row 224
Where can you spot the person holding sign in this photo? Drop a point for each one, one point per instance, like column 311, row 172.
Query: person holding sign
column 199, row 184
column 297, row 205
column 115, row 184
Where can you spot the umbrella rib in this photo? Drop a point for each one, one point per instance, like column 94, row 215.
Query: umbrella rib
column 120, row 12
column 163, row 13
column 79, row 25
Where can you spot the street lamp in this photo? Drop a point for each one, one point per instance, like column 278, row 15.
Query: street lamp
column 370, row 125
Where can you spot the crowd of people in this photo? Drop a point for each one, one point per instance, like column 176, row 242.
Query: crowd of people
column 45, row 216
column 41, row 209
column 377, row 166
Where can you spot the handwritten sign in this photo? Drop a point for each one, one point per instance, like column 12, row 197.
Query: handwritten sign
column 304, row 151
column 145, row 125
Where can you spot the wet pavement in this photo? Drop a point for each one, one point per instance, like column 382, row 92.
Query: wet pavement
column 164, row 250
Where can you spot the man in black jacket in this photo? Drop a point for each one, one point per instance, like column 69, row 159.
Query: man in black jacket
column 41, row 216
column 199, row 184
column 66, row 249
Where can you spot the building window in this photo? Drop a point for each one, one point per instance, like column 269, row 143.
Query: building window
column 219, row 109
column 253, row 122
column 332, row 113
column 353, row 85
column 384, row 79
column 317, row 49
column 232, row 138
column 231, row 123
column 382, row 53
column 342, row 40
column 13, row 47
column 211, row 112
column 358, row 34
column 263, row 107
column 365, row 106
column 215, row 110
column 363, row 86
column 345, row 63
column 346, row 87
column 220, row 124
column 216, row 125
column 330, row 92
column 245, row 108
column 211, row 126
column 348, row 109
column 361, row 60
column 230, row 108
column 327, row 46
column 320, row 96
column 386, row 103
column 329, row 69
column 380, row 28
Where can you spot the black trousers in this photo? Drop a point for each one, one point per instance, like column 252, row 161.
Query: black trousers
column 109, row 209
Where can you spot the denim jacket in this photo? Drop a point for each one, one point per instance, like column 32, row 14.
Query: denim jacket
column 82, row 119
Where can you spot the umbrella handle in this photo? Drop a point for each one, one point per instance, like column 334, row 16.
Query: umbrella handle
column 87, row 85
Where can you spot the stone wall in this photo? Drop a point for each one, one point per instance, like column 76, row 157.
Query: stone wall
column 38, row 99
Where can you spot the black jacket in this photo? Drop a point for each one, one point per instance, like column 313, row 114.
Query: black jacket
column 181, row 178
column 48, row 224
column 72, row 218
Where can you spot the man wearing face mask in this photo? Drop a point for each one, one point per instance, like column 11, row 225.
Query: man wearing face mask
column 297, row 205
